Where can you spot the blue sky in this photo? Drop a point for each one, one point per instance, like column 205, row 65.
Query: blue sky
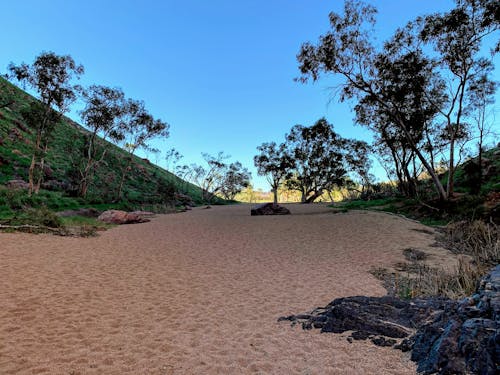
column 220, row 72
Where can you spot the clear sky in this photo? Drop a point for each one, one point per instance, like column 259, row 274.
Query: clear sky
column 220, row 72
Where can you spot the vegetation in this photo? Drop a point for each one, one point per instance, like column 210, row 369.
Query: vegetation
column 66, row 158
column 416, row 102
column 50, row 76
column 312, row 161
column 218, row 177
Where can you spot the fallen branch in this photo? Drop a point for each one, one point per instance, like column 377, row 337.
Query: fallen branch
column 33, row 227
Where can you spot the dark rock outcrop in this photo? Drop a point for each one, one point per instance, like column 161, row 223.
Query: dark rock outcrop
column 121, row 217
column 445, row 336
column 269, row 209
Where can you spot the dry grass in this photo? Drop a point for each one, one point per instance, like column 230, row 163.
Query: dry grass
column 478, row 239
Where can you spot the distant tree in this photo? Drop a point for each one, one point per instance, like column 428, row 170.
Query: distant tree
column 186, row 174
column 236, row 178
column 275, row 163
column 210, row 179
column 220, row 178
column 139, row 127
column 318, row 160
column 172, row 157
column 50, row 77
column 480, row 96
column 103, row 116
column 357, row 157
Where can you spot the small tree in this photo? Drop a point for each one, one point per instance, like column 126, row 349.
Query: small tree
column 275, row 163
column 220, row 178
column 102, row 115
column 50, row 76
column 138, row 127
column 236, row 178
column 172, row 157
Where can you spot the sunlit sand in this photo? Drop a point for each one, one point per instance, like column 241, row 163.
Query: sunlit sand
column 197, row 293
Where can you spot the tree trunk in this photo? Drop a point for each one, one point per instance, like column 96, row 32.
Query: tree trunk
column 451, row 168
column 313, row 197
column 275, row 196
column 31, row 173
column 40, row 177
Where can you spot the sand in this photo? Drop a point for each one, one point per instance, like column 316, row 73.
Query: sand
column 197, row 293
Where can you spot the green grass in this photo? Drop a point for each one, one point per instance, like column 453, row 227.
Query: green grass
column 146, row 184
column 81, row 221
column 363, row 205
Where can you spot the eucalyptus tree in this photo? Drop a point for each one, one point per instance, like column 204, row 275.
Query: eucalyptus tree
column 50, row 76
column 275, row 163
column 401, row 82
column 358, row 162
column 219, row 178
column 236, row 178
column 103, row 116
column 457, row 37
column 318, row 162
column 139, row 127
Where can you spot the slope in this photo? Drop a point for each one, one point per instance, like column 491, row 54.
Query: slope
column 146, row 184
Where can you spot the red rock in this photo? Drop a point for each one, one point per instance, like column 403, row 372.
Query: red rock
column 121, row 217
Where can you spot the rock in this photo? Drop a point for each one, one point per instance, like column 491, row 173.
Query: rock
column 143, row 213
column 121, row 217
column 17, row 184
column 445, row 336
column 269, row 209
column 183, row 200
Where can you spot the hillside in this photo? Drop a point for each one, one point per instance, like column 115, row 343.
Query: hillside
column 146, row 184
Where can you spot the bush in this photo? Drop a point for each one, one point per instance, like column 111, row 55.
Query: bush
column 36, row 217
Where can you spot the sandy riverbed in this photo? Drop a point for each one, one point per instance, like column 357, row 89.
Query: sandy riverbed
column 197, row 293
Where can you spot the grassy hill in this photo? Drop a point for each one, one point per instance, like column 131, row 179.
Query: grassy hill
column 147, row 185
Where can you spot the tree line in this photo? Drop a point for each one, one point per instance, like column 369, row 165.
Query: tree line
column 313, row 160
column 424, row 93
column 107, row 115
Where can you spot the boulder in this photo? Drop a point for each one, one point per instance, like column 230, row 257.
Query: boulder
column 269, row 209
column 143, row 213
column 121, row 217
column 183, row 200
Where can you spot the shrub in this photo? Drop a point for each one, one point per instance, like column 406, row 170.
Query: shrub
column 36, row 217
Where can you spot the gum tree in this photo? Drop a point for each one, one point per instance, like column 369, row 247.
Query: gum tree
column 50, row 76
column 435, row 86
column 275, row 163
column 102, row 115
